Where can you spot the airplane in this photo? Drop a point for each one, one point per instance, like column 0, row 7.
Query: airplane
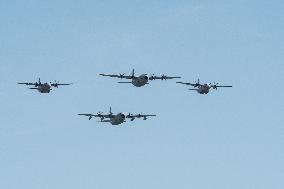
column 204, row 88
column 139, row 81
column 44, row 87
column 116, row 119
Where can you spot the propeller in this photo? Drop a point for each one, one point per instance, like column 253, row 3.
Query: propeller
column 90, row 117
column 121, row 75
column 129, row 116
column 152, row 77
column 55, row 84
column 163, row 77
column 197, row 83
column 38, row 83
column 99, row 114
column 214, row 86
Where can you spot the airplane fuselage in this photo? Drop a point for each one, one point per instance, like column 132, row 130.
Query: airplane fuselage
column 44, row 88
column 140, row 81
column 117, row 119
column 203, row 89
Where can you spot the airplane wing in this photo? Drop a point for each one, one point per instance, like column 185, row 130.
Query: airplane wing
column 147, row 115
column 58, row 84
column 97, row 115
column 64, row 83
column 88, row 115
column 217, row 86
column 191, row 84
column 163, row 77
column 223, row 86
column 27, row 83
column 121, row 76
column 144, row 116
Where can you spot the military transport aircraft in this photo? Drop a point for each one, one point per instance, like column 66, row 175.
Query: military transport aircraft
column 204, row 88
column 116, row 119
column 44, row 87
column 139, row 81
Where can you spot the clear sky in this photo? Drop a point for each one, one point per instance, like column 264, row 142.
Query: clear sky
column 230, row 138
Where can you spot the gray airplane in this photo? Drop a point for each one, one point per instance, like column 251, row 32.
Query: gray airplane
column 139, row 81
column 204, row 88
column 44, row 87
column 116, row 119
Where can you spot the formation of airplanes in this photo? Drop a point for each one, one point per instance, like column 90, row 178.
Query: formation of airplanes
column 137, row 81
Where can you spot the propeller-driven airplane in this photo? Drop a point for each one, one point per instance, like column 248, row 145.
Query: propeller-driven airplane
column 44, row 87
column 204, row 88
column 139, row 81
column 116, row 119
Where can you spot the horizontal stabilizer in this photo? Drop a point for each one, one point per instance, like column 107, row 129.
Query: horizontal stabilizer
column 104, row 121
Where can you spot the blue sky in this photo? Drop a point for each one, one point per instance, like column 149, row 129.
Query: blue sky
column 231, row 138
